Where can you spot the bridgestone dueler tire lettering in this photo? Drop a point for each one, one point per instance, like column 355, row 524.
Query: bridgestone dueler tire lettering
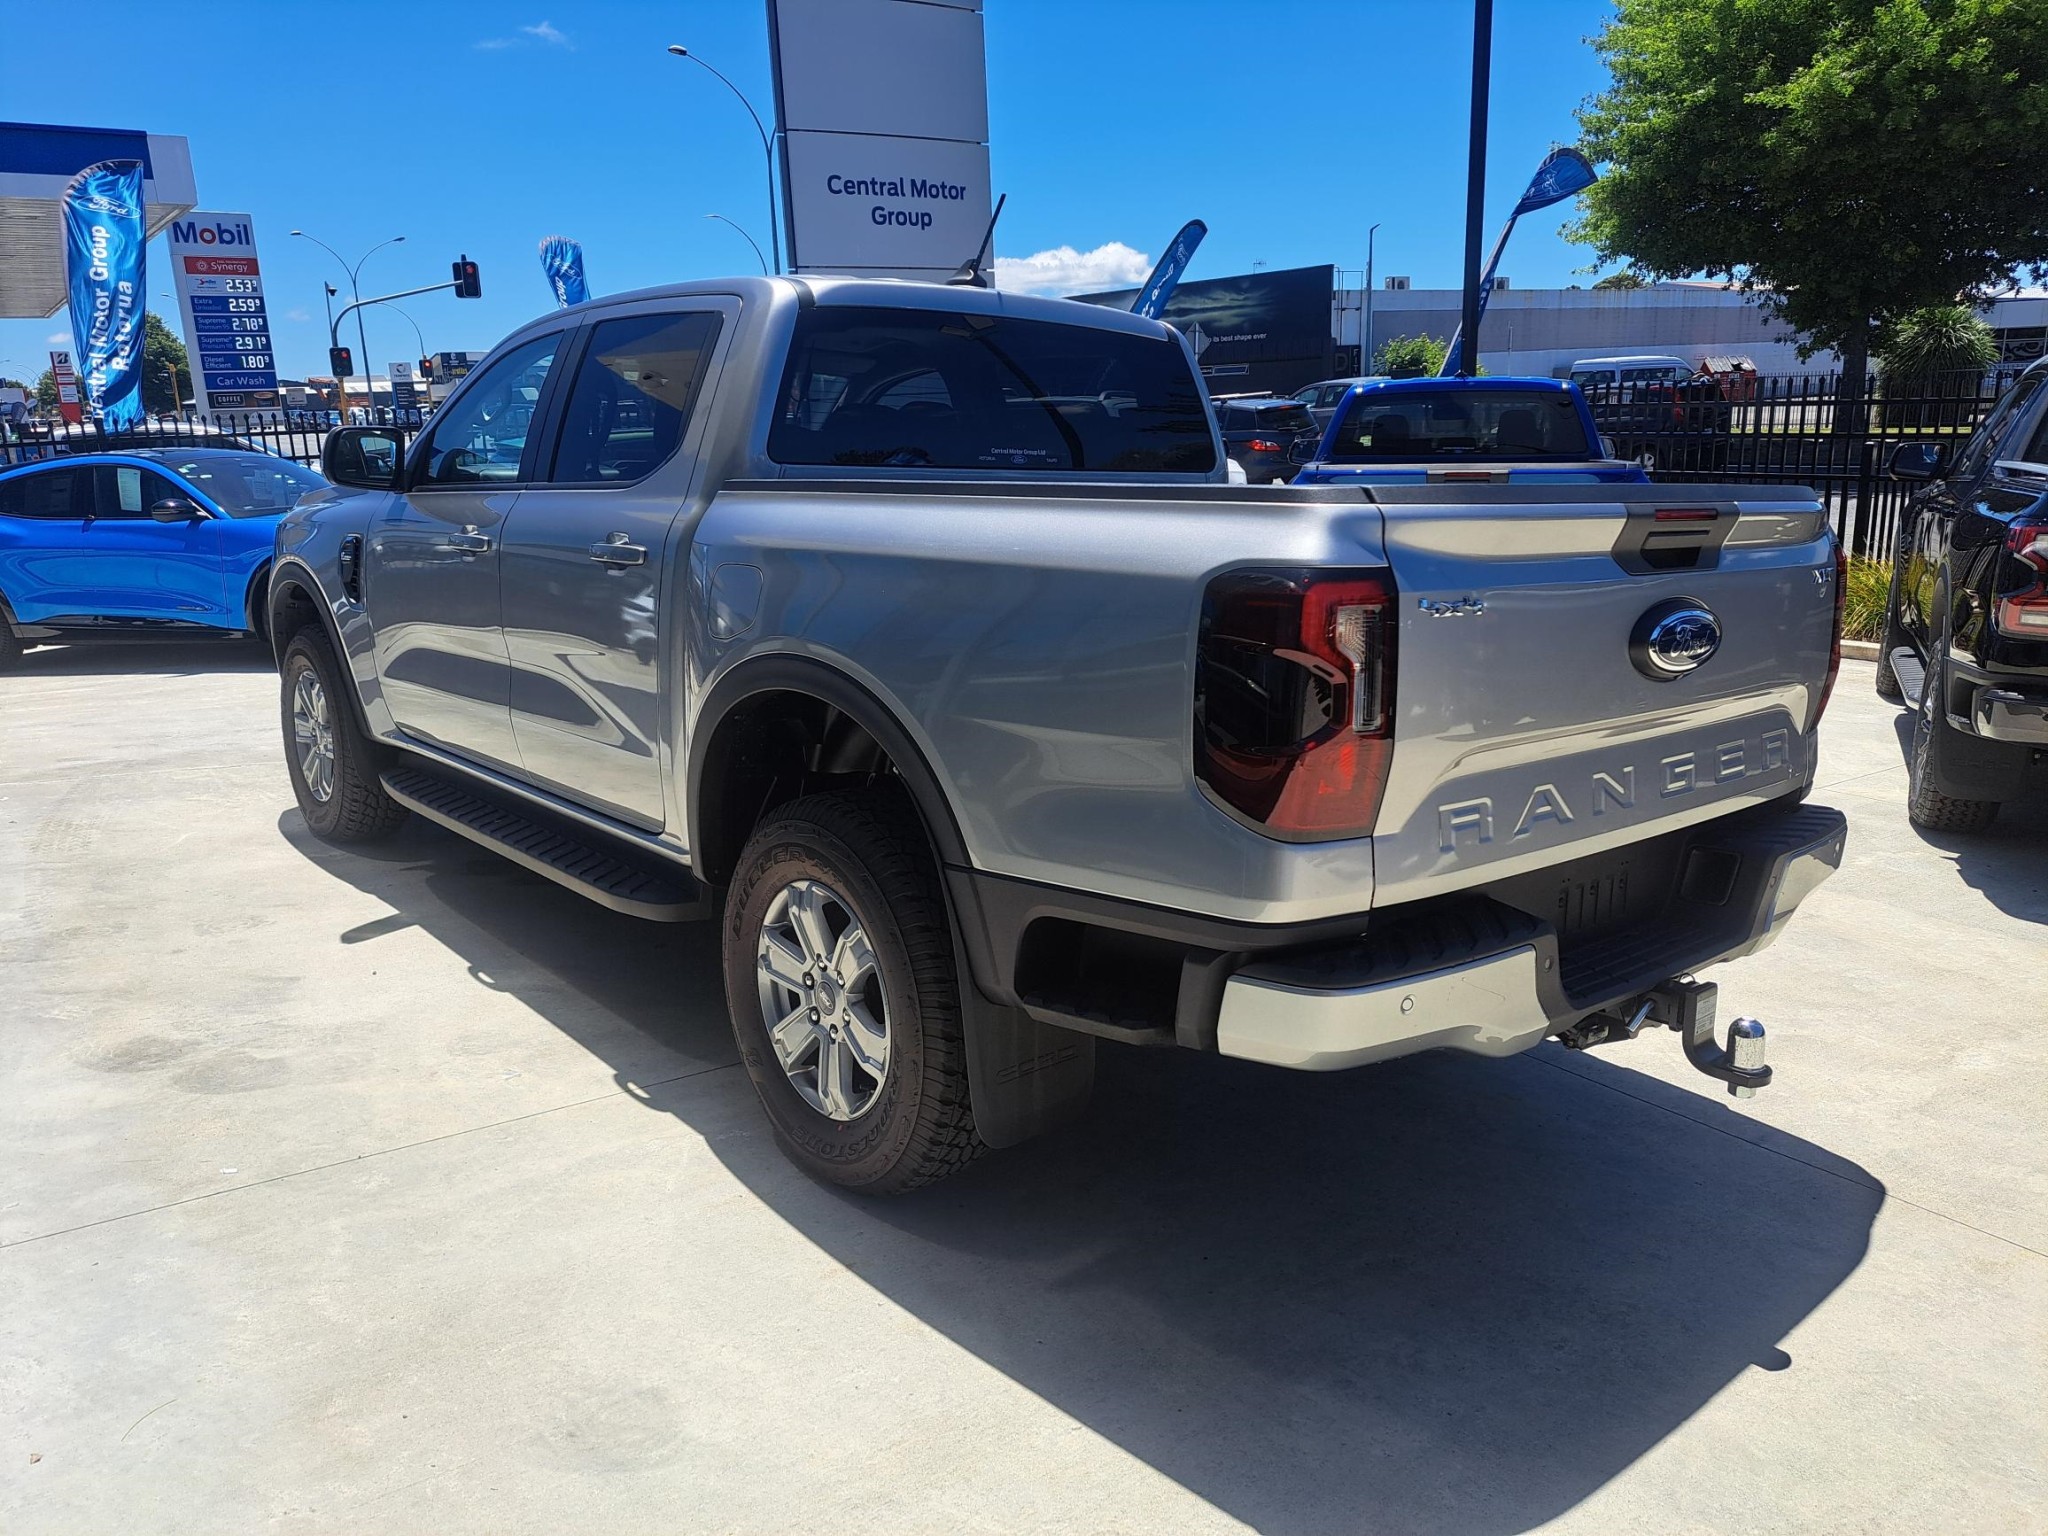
column 869, row 847
column 358, row 811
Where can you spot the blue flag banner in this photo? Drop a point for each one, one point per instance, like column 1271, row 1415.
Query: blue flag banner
column 1151, row 300
column 562, row 260
column 104, row 241
column 1564, row 173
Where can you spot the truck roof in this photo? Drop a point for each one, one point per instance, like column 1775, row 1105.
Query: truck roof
column 884, row 293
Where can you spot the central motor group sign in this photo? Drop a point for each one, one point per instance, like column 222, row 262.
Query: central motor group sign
column 220, row 299
column 884, row 110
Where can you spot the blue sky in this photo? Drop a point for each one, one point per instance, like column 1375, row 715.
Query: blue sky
column 1290, row 126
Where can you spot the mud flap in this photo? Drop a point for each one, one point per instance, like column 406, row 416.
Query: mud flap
column 1023, row 1077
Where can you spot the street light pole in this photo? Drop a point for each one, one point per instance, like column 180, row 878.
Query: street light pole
column 355, row 289
column 1366, row 360
column 1475, row 183
column 735, row 223
column 767, row 146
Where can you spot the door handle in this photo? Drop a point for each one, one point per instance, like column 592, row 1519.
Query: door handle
column 470, row 540
column 615, row 550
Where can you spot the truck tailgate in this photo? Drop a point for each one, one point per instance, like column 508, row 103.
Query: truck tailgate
column 1534, row 722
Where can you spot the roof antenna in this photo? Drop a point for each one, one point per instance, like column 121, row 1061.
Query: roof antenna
column 970, row 274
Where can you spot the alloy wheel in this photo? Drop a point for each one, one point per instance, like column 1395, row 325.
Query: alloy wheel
column 313, row 735
column 822, row 999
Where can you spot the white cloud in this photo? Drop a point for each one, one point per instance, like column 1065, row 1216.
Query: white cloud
column 541, row 32
column 300, row 315
column 1064, row 270
column 58, row 339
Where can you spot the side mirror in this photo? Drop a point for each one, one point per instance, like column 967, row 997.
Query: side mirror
column 1917, row 461
column 176, row 509
column 364, row 458
column 1606, row 446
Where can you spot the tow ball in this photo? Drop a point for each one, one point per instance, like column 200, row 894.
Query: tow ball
column 1688, row 1007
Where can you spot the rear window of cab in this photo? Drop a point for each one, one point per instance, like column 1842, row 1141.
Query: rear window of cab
column 912, row 389
column 1383, row 426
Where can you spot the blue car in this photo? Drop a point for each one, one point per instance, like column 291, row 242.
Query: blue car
column 151, row 542
column 1505, row 430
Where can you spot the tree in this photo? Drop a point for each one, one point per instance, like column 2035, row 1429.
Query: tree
column 1845, row 161
column 166, row 374
column 1404, row 357
column 1623, row 279
column 1931, row 364
column 46, row 390
column 11, row 383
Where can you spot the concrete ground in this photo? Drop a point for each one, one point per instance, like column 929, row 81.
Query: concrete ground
column 407, row 1192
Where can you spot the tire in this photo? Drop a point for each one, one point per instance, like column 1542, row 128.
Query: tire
column 1889, row 639
column 867, row 1087
column 344, row 802
column 1927, row 806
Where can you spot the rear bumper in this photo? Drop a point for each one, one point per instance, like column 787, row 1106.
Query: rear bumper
column 1481, row 977
column 2008, row 714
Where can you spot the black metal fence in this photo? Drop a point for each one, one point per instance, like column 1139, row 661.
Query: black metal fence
column 297, row 435
column 1799, row 430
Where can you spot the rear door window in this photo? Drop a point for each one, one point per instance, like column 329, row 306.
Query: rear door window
column 49, row 493
column 911, row 389
column 633, row 395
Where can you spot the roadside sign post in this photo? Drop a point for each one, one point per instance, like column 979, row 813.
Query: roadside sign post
column 219, row 284
column 69, row 406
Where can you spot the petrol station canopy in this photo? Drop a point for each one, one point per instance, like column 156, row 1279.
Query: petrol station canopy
column 37, row 161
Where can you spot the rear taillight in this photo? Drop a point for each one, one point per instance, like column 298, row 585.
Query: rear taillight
column 2023, row 611
column 1265, row 445
column 1294, row 698
column 1835, row 645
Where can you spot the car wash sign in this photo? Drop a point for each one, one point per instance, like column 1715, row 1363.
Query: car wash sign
column 883, row 106
column 220, row 298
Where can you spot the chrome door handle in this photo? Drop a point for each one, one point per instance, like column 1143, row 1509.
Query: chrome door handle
column 469, row 540
column 615, row 550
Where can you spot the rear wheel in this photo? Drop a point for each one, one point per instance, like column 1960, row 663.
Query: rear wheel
column 845, row 1006
column 1926, row 805
column 333, row 765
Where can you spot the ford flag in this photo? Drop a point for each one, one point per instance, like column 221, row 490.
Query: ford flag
column 1564, row 173
column 104, row 240
column 1151, row 300
column 562, row 260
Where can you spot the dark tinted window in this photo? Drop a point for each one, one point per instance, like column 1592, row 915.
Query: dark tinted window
column 632, row 397
column 52, row 493
column 1997, row 424
column 1285, row 418
column 911, row 389
column 481, row 437
column 248, row 485
column 1460, row 423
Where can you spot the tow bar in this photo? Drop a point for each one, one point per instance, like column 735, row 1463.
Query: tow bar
column 1688, row 1007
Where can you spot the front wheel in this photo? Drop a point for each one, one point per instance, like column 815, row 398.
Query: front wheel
column 333, row 764
column 845, row 1006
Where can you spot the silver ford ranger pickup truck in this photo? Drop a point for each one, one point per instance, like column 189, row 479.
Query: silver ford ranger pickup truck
column 915, row 635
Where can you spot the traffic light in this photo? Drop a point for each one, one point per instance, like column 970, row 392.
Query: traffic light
column 427, row 369
column 341, row 362
column 468, row 285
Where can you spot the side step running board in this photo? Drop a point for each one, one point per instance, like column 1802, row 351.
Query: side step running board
column 1911, row 675
column 582, row 861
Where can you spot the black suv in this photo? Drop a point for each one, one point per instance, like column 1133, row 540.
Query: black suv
column 1968, row 613
column 1270, row 437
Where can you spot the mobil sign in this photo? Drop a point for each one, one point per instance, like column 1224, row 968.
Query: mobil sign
column 220, row 299
column 215, row 231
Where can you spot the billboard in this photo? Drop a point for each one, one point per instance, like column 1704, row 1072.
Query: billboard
column 883, row 111
column 1264, row 332
column 220, row 299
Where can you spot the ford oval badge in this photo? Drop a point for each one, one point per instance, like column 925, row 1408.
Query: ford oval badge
column 1675, row 637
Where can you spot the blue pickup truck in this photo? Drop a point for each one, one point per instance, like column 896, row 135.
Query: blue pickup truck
column 1433, row 430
